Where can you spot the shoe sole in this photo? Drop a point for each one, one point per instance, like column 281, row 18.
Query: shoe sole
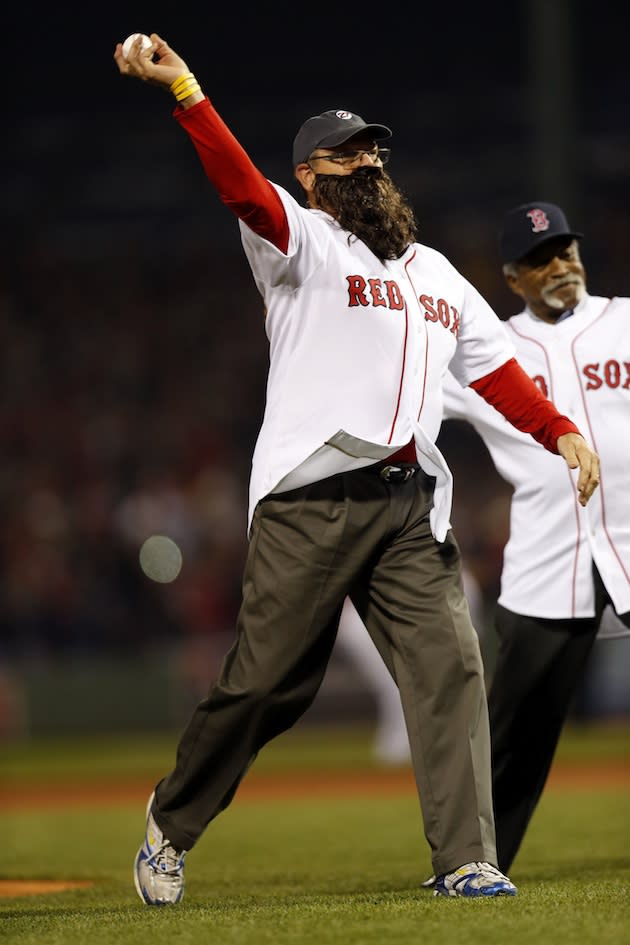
column 478, row 894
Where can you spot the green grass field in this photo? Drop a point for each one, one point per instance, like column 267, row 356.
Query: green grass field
column 327, row 870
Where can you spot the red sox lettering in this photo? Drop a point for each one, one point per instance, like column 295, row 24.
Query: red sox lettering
column 612, row 373
column 440, row 311
column 387, row 293
column 374, row 292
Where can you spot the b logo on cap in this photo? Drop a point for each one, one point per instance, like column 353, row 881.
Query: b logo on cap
column 344, row 115
column 540, row 220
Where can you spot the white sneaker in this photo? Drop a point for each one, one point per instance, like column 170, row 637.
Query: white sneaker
column 474, row 879
column 158, row 870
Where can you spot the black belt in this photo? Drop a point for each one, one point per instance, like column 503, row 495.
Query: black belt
column 401, row 472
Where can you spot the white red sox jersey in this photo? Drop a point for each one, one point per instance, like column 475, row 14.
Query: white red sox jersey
column 358, row 346
column 582, row 364
column 358, row 352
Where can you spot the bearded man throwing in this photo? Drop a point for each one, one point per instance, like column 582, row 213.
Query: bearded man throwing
column 349, row 496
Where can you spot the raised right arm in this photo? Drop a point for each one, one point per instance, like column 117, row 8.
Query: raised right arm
column 238, row 182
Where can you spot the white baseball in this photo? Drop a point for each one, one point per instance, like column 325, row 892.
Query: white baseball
column 160, row 559
column 128, row 43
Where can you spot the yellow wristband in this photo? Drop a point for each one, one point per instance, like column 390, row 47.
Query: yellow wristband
column 187, row 92
column 180, row 80
column 184, row 85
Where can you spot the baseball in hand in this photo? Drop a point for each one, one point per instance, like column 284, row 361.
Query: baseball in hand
column 128, row 43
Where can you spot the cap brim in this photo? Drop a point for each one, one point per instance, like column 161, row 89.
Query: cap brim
column 569, row 235
column 378, row 132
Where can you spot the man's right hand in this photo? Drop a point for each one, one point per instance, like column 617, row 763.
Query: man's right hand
column 168, row 67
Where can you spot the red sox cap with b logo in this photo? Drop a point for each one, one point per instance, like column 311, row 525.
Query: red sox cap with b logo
column 528, row 226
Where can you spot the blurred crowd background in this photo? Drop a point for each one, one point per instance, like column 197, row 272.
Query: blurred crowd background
column 133, row 355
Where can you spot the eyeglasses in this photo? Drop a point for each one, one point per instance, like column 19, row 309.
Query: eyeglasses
column 350, row 158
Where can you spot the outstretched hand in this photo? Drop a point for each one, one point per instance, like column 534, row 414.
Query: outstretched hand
column 576, row 452
column 167, row 67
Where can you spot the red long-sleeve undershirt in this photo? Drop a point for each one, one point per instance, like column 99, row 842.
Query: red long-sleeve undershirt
column 249, row 195
column 513, row 393
column 238, row 182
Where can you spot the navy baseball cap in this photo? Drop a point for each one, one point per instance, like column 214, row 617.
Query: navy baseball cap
column 330, row 129
column 529, row 226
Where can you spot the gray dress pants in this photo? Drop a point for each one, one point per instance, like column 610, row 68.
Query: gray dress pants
column 358, row 535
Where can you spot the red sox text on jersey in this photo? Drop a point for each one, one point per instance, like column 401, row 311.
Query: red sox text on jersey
column 611, row 373
column 388, row 293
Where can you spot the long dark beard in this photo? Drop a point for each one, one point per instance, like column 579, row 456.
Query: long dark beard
column 369, row 205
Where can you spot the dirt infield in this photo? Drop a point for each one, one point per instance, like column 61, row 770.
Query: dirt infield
column 374, row 782
column 37, row 887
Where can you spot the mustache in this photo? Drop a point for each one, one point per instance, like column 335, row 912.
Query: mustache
column 570, row 280
column 368, row 170
column 548, row 291
column 363, row 180
column 359, row 173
